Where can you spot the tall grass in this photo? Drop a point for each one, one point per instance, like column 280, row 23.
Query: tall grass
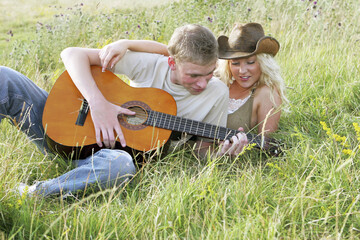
column 311, row 191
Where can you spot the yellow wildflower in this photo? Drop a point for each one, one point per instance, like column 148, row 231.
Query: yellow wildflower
column 348, row 152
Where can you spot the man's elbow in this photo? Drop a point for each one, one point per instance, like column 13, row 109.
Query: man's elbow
column 67, row 52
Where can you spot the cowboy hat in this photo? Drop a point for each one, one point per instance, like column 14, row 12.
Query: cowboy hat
column 245, row 41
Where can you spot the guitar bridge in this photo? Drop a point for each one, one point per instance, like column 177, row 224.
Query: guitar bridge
column 83, row 112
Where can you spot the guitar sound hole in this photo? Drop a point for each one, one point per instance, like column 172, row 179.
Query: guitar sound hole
column 137, row 119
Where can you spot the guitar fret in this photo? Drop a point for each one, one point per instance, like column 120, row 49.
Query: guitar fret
column 198, row 128
column 185, row 124
column 209, row 133
column 149, row 119
column 204, row 132
column 178, row 124
column 189, row 123
column 203, row 129
column 159, row 119
column 174, row 119
column 153, row 122
column 171, row 121
column 154, row 119
column 220, row 133
column 163, row 120
column 216, row 132
column 168, row 121
column 225, row 134
column 192, row 131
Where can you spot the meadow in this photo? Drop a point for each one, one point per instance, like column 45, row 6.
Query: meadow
column 310, row 191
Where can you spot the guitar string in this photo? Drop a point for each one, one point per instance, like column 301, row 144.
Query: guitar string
column 193, row 127
column 202, row 129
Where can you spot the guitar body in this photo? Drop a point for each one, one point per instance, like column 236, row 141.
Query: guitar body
column 72, row 140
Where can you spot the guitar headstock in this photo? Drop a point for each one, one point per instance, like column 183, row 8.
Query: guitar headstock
column 270, row 145
column 273, row 147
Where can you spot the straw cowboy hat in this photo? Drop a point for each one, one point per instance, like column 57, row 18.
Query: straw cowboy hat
column 245, row 41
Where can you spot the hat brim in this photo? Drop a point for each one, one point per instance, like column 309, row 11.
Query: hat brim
column 266, row 44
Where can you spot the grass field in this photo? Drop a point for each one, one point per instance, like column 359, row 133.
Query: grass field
column 311, row 191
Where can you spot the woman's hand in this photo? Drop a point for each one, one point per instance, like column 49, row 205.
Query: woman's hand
column 112, row 53
column 105, row 118
column 236, row 146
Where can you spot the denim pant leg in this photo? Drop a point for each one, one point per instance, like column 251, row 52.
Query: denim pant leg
column 22, row 101
column 106, row 168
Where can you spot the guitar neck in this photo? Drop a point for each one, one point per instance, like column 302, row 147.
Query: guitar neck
column 179, row 124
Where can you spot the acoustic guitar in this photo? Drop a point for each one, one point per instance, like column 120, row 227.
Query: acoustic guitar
column 70, row 130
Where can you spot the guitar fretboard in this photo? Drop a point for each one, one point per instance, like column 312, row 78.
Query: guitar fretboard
column 193, row 127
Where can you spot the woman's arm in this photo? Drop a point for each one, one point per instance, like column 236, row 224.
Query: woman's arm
column 267, row 113
column 113, row 52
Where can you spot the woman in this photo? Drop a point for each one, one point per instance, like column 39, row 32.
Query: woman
column 246, row 65
column 256, row 88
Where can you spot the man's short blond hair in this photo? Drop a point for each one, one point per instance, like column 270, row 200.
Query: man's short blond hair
column 193, row 43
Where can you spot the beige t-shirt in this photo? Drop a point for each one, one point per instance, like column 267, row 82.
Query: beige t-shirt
column 152, row 70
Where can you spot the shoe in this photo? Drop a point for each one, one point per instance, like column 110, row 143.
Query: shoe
column 26, row 189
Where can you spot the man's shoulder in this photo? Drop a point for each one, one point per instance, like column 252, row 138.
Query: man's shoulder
column 218, row 85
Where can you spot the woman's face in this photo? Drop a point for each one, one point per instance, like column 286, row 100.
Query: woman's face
column 246, row 71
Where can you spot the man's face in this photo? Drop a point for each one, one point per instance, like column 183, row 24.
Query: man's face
column 192, row 76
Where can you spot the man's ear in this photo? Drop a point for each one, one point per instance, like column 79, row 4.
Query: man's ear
column 171, row 62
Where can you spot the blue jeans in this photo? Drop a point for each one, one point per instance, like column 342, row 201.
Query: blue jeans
column 23, row 103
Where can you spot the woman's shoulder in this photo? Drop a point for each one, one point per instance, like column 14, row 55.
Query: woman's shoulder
column 262, row 91
column 265, row 89
column 265, row 93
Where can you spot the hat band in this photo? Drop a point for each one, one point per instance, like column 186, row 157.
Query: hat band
column 234, row 50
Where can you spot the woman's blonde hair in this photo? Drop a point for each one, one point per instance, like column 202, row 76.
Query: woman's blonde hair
column 270, row 75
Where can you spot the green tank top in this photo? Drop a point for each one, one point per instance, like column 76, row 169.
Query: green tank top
column 242, row 116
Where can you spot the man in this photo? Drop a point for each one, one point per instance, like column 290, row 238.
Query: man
column 186, row 75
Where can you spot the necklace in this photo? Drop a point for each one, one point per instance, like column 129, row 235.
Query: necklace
column 235, row 104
